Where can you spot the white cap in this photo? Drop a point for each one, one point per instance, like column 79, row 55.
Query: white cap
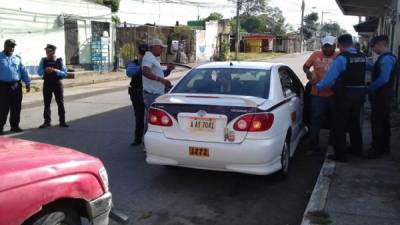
column 331, row 40
column 158, row 42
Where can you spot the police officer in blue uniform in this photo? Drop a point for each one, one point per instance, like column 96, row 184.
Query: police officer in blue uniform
column 134, row 71
column 346, row 76
column 52, row 70
column 380, row 95
column 12, row 71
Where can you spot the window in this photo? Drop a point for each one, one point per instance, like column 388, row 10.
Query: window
column 247, row 82
column 290, row 85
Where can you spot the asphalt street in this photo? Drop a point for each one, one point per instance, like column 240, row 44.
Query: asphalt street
column 102, row 125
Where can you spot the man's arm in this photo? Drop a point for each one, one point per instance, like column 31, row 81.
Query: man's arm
column 25, row 77
column 386, row 66
column 338, row 66
column 40, row 70
column 63, row 71
column 307, row 66
column 151, row 76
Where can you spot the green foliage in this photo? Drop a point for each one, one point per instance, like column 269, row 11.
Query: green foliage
column 128, row 52
column 224, row 54
column 116, row 20
column 333, row 29
column 272, row 22
column 310, row 25
column 252, row 7
column 196, row 23
column 214, row 16
column 181, row 33
column 113, row 4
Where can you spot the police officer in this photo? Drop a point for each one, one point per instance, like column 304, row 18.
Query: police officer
column 52, row 70
column 380, row 96
column 12, row 71
column 346, row 76
column 136, row 93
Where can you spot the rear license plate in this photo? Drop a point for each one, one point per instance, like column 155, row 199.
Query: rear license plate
column 202, row 124
column 196, row 151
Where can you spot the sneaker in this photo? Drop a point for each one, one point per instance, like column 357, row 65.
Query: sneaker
column 45, row 125
column 64, row 125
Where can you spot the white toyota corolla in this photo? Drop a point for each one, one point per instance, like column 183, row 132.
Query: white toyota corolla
column 242, row 117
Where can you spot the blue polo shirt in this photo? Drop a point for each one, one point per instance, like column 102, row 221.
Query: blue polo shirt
column 12, row 69
column 338, row 67
column 386, row 64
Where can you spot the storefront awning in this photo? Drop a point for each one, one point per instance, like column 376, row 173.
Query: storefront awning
column 364, row 7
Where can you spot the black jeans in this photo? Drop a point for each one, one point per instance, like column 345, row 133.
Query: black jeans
column 380, row 121
column 346, row 117
column 138, row 106
column 56, row 87
column 10, row 101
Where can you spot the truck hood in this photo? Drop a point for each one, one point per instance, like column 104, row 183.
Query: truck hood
column 23, row 162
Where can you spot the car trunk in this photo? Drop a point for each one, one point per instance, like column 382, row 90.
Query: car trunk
column 206, row 118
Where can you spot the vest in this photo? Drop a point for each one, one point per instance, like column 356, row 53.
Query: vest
column 388, row 87
column 53, row 64
column 354, row 75
column 136, row 80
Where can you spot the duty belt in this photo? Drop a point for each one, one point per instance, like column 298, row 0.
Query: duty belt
column 356, row 86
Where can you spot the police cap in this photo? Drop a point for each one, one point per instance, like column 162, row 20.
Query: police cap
column 50, row 47
column 10, row 42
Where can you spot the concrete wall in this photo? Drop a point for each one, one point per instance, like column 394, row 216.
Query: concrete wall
column 33, row 24
column 206, row 42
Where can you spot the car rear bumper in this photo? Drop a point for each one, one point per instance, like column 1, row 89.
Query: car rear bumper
column 258, row 157
column 99, row 209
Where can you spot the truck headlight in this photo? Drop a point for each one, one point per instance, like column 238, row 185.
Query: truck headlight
column 104, row 177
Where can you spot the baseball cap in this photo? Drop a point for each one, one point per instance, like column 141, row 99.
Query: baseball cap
column 51, row 47
column 331, row 40
column 10, row 42
column 158, row 42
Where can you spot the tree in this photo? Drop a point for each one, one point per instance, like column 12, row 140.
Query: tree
column 310, row 25
column 214, row 16
column 272, row 22
column 333, row 29
column 251, row 7
column 113, row 4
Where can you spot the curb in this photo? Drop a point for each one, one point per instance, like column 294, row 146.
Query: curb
column 315, row 210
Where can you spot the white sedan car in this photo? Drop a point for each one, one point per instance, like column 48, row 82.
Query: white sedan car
column 241, row 117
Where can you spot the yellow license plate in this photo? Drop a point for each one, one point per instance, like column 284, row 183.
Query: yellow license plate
column 196, row 151
column 202, row 124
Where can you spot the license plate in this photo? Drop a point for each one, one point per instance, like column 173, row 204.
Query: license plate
column 202, row 124
column 196, row 151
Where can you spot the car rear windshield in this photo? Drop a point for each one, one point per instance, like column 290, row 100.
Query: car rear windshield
column 247, row 82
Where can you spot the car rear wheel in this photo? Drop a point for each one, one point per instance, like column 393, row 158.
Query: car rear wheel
column 285, row 159
column 60, row 216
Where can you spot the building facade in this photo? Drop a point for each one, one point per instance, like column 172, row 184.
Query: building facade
column 70, row 25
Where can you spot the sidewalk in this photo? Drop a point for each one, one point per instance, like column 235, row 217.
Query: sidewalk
column 361, row 191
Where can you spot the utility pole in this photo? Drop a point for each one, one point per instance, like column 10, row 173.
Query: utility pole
column 237, row 30
column 303, row 6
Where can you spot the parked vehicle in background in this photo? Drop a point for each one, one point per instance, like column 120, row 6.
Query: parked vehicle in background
column 50, row 185
column 242, row 117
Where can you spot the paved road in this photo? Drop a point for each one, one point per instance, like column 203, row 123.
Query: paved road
column 101, row 125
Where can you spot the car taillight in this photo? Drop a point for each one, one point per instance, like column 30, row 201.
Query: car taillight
column 159, row 118
column 254, row 122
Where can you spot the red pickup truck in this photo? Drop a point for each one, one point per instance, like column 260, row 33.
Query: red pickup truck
column 48, row 185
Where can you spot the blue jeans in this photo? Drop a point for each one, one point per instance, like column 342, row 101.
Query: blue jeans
column 320, row 108
column 148, row 99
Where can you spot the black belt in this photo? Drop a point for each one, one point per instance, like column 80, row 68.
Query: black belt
column 10, row 83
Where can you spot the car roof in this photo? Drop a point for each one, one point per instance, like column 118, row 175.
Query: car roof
column 239, row 65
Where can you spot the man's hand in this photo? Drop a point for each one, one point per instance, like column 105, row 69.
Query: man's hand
column 170, row 66
column 49, row 69
column 28, row 88
column 166, row 83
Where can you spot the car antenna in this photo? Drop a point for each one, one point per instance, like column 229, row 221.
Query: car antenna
column 231, row 64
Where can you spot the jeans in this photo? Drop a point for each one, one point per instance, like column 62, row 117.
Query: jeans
column 320, row 108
